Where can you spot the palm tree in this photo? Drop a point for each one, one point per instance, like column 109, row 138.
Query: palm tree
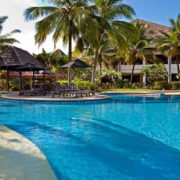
column 176, row 26
column 170, row 46
column 66, row 19
column 6, row 40
column 107, row 53
column 169, row 43
column 138, row 49
column 106, row 12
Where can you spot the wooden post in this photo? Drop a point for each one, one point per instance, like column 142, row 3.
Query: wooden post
column 8, row 87
column 44, row 78
column 20, row 80
column 144, row 76
column 169, row 70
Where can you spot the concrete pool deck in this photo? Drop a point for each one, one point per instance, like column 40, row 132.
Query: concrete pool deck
column 20, row 159
column 15, row 96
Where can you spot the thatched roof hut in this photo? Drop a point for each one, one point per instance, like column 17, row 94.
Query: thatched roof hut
column 14, row 57
column 59, row 52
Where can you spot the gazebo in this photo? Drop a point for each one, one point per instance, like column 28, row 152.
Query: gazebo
column 76, row 64
column 16, row 59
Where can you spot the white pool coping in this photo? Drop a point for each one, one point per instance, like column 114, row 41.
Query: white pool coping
column 20, row 159
column 165, row 92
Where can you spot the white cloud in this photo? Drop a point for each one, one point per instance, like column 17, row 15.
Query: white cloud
column 14, row 9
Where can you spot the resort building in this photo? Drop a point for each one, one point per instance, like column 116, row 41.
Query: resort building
column 153, row 31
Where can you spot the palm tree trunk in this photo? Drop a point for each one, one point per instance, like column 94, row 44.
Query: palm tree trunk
column 132, row 74
column 169, row 70
column 70, row 51
column 94, row 67
column 100, row 65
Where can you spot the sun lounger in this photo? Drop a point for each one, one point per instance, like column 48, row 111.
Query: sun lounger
column 59, row 89
column 35, row 92
column 72, row 87
column 65, row 93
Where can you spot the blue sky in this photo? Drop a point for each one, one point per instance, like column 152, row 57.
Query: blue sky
column 158, row 11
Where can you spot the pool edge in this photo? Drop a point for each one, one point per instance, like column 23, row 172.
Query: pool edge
column 20, row 158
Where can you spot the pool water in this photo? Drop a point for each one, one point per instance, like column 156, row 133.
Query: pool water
column 126, row 137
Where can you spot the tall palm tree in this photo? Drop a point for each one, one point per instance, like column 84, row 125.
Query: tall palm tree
column 170, row 46
column 6, row 40
column 138, row 50
column 175, row 26
column 106, row 13
column 169, row 43
column 66, row 19
column 107, row 53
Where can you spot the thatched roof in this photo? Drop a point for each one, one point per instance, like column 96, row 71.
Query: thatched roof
column 155, row 28
column 76, row 64
column 14, row 57
column 59, row 52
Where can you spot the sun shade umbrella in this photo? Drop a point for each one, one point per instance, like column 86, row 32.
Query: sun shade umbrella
column 29, row 67
column 76, row 64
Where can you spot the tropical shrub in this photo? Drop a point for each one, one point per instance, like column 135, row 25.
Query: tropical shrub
column 121, row 83
column 3, row 82
column 14, row 84
column 175, row 85
column 3, row 85
column 78, row 83
column 137, row 85
column 162, row 85
column 110, row 76
column 82, row 73
column 155, row 73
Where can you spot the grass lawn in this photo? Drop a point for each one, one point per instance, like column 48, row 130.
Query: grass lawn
column 127, row 90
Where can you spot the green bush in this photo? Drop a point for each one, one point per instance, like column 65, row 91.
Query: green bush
column 109, row 76
column 127, row 85
column 139, row 85
column 134, row 86
column 14, row 84
column 155, row 73
column 83, row 74
column 79, row 84
column 120, row 83
column 175, row 85
column 162, row 85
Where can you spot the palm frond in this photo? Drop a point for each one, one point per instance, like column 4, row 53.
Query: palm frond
column 46, row 26
column 33, row 13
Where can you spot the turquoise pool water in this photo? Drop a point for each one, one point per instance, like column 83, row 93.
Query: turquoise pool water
column 126, row 137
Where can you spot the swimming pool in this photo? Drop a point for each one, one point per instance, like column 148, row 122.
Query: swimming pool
column 126, row 137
